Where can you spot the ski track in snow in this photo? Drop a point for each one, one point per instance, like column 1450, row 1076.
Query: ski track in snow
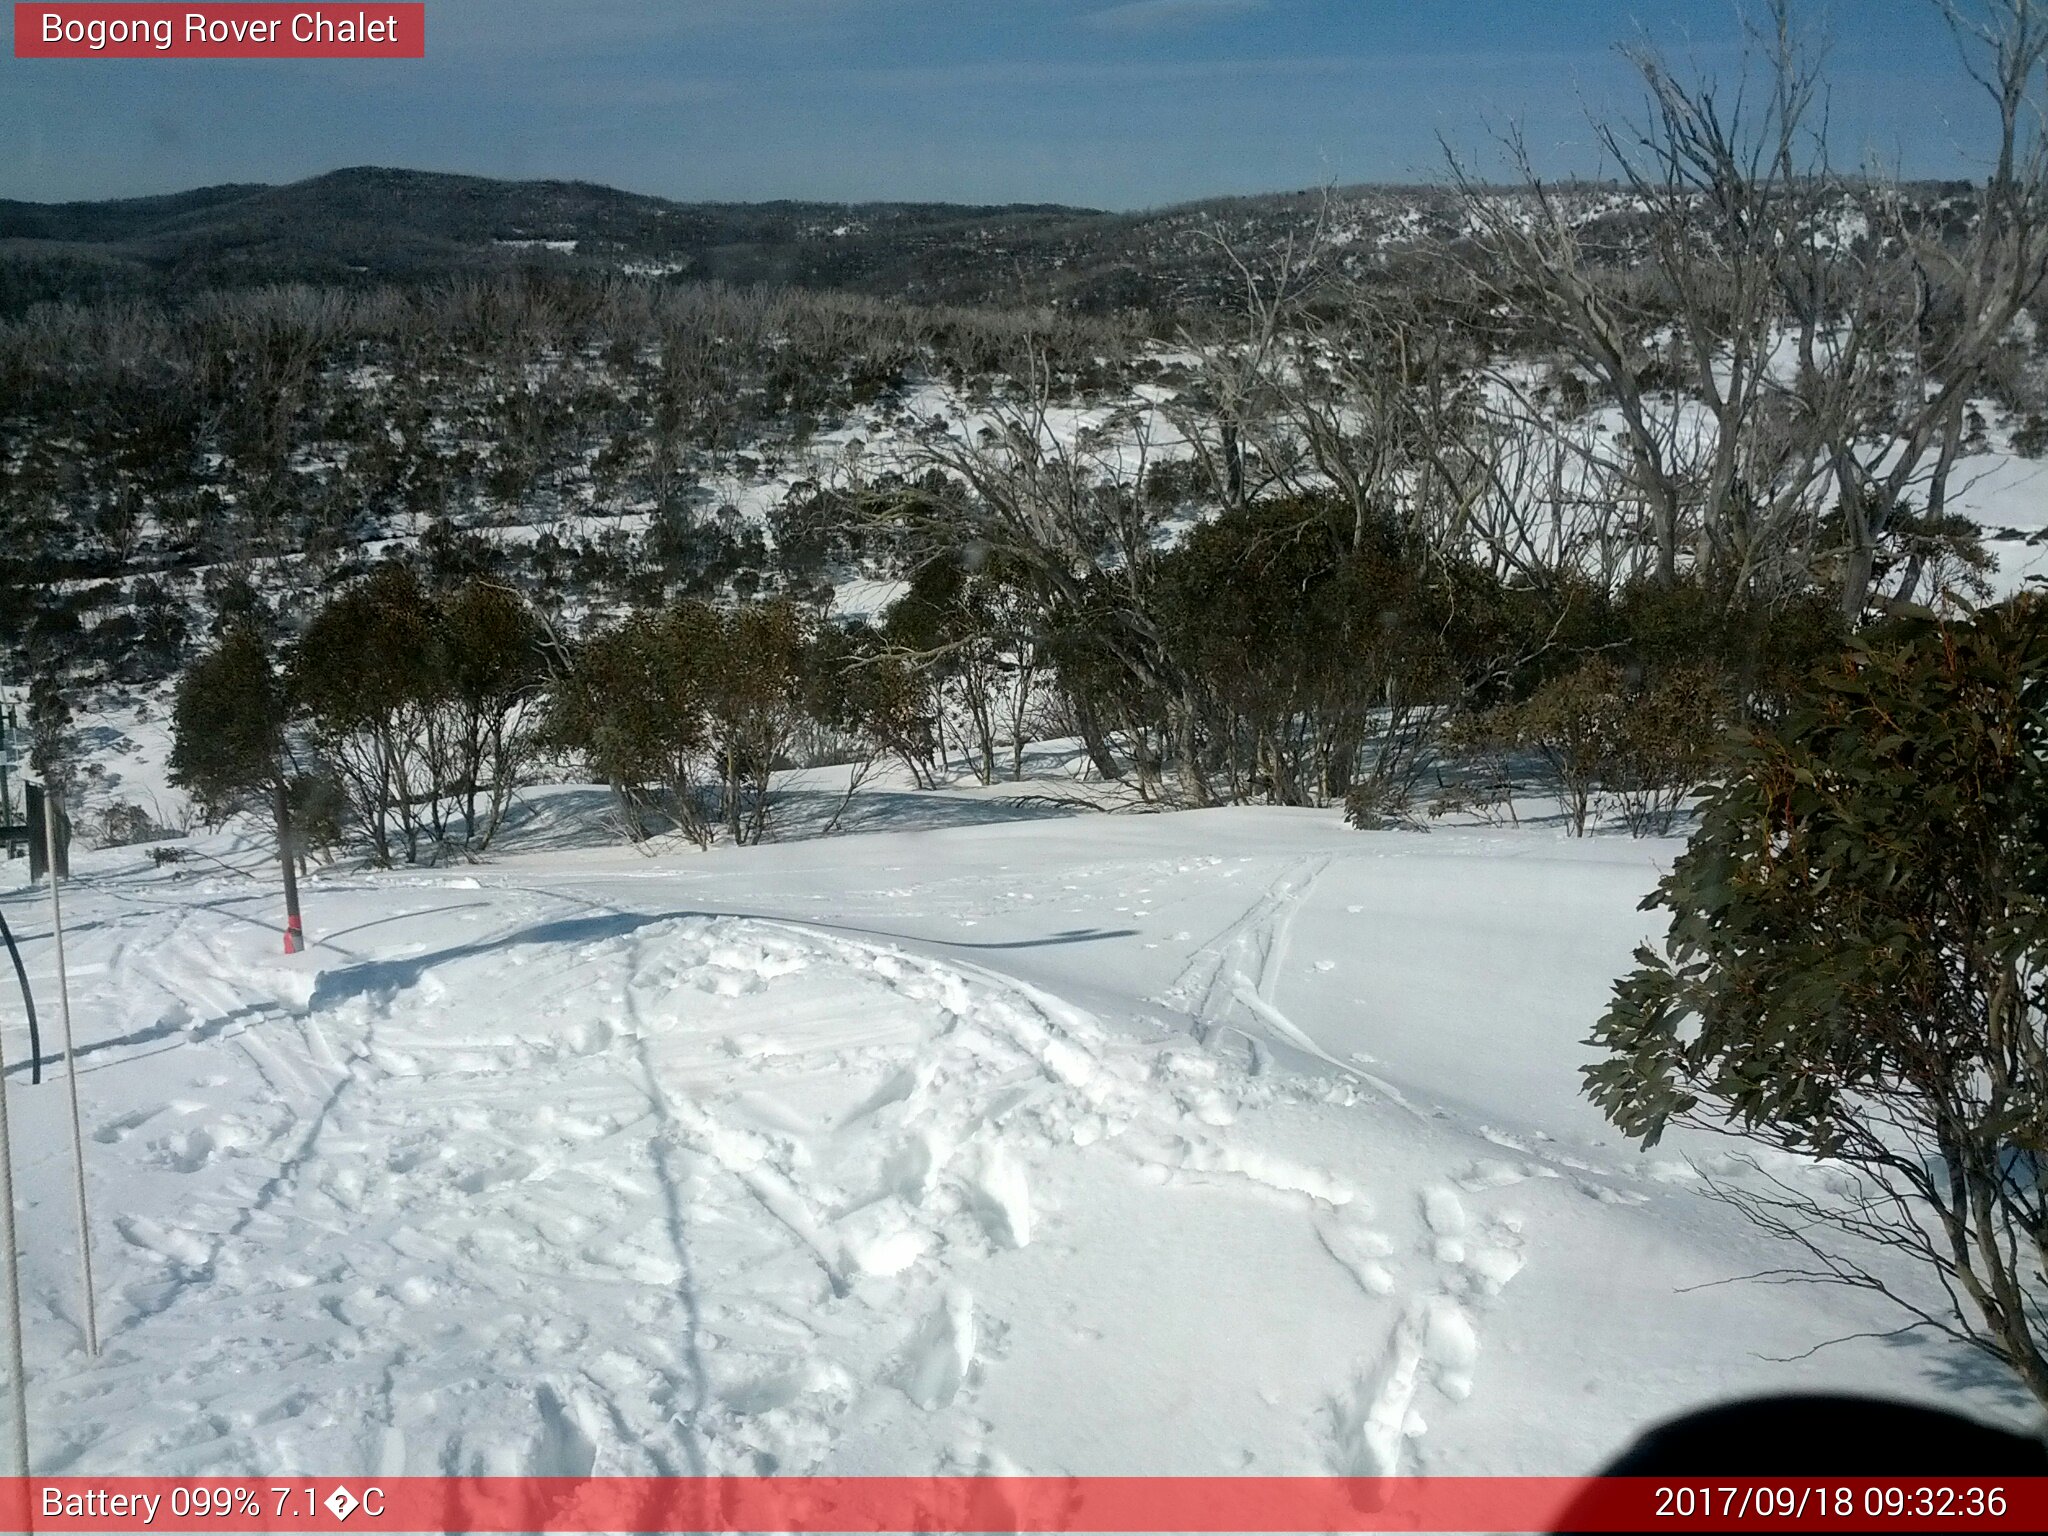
column 1230, row 983
column 745, row 1205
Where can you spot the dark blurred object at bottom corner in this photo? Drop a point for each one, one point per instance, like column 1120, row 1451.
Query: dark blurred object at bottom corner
column 1825, row 1436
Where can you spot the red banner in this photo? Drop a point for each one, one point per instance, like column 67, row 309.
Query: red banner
column 265, row 31
column 1048, row 1504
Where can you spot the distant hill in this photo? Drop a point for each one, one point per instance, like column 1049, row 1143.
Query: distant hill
column 374, row 225
column 371, row 224
column 396, row 225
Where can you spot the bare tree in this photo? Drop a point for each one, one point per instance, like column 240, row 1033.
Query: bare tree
column 1664, row 291
column 1892, row 344
column 1231, row 420
column 1790, row 363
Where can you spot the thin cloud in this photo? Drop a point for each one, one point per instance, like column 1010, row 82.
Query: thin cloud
column 1156, row 15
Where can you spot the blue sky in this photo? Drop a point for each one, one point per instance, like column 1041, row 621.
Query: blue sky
column 1116, row 105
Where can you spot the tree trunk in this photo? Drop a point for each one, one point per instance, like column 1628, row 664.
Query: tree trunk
column 1667, row 540
column 732, row 795
column 294, row 931
column 1194, row 784
column 1859, row 566
column 1858, row 569
column 1091, row 738
column 1233, row 465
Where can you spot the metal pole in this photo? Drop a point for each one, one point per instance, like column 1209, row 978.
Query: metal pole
column 52, row 809
column 28, row 1004
column 6, row 799
column 17, row 1372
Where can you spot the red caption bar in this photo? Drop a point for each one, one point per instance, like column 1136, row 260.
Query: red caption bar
column 73, row 31
column 1036, row 1504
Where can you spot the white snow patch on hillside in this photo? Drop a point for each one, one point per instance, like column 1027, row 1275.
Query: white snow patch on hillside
column 2008, row 496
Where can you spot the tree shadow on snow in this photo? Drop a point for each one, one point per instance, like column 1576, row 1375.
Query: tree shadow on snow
column 372, row 978
column 803, row 813
column 1953, row 1369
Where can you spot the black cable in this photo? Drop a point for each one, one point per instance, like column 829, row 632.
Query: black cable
column 28, row 1001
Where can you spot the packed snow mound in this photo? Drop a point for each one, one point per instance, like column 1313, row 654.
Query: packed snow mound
column 688, row 1190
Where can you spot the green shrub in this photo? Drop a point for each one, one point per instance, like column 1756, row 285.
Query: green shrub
column 1857, row 970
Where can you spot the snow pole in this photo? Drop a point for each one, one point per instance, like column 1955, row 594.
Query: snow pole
column 51, row 811
column 17, row 1373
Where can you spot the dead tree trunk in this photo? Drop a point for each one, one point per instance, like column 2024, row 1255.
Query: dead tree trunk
column 294, row 930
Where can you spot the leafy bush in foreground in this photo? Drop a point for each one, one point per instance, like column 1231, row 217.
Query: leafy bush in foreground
column 1857, row 970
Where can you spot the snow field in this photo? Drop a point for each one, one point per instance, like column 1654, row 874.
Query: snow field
column 1223, row 1142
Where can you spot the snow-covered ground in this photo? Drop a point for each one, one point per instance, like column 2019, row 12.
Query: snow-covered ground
column 2008, row 495
column 1217, row 1142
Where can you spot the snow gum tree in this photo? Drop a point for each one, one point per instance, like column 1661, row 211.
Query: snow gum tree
column 632, row 705
column 1827, row 335
column 486, row 667
column 687, row 713
column 1857, row 971
column 228, row 746
column 53, row 739
column 424, row 705
column 362, row 669
column 754, row 659
column 970, row 633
